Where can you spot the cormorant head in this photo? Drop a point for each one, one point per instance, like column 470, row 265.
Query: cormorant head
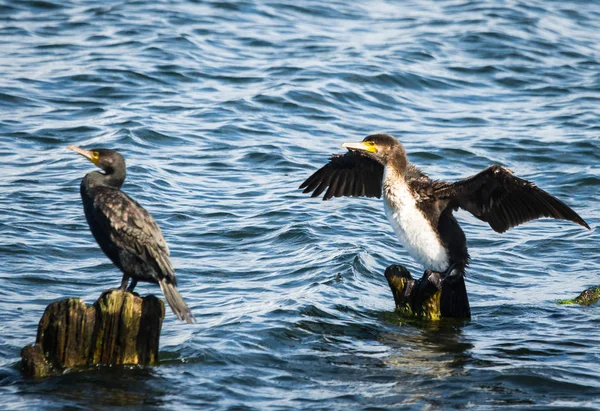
column 111, row 162
column 380, row 147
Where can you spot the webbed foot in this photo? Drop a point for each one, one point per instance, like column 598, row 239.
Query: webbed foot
column 438, row 277
column 435, row 278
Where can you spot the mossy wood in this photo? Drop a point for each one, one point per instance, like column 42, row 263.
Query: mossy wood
column 120, row 328
column 587, row 297
column 429, row 297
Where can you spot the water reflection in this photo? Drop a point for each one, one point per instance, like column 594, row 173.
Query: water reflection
column 430, row 353
column 100, row 387
column 435, row 348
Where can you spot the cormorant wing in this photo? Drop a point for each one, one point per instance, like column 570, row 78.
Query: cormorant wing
column 503, row 200
column 350, row 174
column 131, row 227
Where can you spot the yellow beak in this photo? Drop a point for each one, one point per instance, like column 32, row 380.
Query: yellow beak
column 90, row 155
column 370, row 148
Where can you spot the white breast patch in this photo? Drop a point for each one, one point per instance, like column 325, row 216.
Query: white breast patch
column 409, row 223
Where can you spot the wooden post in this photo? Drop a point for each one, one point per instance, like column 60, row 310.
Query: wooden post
column 587, row 297
column 429, row 297
column 120, row 328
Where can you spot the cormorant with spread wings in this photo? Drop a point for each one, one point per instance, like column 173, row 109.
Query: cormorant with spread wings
column 420, row 209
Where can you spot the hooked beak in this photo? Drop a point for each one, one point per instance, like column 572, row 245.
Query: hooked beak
column 86, row 153
column 362, row 146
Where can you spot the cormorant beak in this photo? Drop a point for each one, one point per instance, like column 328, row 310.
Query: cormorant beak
column 90, row 155
column 369, row 146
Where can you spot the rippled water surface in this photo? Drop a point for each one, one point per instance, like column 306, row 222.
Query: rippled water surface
column 222, row 109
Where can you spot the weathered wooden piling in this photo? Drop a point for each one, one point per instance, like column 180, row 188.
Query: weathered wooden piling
column 429, row 297
column 120, row 328
column 587, row 297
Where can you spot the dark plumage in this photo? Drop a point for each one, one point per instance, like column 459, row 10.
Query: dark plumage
column 420, row 209
column 125, row 231
column 346, row 175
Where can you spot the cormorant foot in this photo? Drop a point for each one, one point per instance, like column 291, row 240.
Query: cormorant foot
column 434, row 277
column 132, row 285
column 450, row 275
column 408, row 289
column 448, row 272
column 124, row 281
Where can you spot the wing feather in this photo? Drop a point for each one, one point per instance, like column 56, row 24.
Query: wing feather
column 350, row 175
column 132, row 228
column 503, row 200
column 332, row 185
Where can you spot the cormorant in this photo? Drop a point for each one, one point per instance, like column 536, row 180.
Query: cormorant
column 125, row 231
column 420, row 209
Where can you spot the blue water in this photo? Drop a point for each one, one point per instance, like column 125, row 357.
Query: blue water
column 222, row 109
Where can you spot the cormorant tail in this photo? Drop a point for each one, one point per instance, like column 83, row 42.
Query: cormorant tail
column 175, row 301
column 454, row 301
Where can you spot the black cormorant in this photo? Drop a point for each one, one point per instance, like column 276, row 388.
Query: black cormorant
column 420, row 209
column 125, row 231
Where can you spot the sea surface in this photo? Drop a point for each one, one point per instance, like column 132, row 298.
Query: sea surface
column 222, row 109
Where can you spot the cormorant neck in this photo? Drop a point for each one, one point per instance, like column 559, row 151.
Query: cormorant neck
column 115, row 176
column 397, row 161
column 111, row 178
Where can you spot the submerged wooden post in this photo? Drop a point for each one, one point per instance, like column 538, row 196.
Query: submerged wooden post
column 587, row 297
column 429, row 297
column 120, row 328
